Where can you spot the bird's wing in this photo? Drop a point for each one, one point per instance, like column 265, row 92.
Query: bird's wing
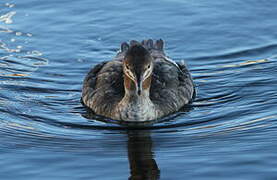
column 103, row 87
column 171, row 86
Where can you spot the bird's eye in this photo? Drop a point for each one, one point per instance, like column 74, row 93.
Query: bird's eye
column 127, row 67
column 148, row 66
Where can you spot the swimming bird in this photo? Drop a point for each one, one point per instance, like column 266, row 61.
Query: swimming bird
column 141, row 83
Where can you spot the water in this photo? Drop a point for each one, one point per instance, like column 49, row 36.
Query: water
column 229, row 132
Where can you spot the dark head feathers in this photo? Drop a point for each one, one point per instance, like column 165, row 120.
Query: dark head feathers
column 137, row 50
column 147, row 44
column 137, row 57
column 124, row 46
column 159, row 45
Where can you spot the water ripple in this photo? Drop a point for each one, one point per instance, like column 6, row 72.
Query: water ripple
column 40, row 89
column 39, row 108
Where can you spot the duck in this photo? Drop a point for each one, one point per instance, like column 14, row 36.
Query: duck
column 141, row 83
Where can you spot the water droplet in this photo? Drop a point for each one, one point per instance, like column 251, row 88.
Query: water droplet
column 36, row 53
column 18, row 33
column 9, row 5
column 7, row 18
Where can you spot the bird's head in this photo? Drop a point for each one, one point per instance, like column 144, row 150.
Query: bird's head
column 138, row 66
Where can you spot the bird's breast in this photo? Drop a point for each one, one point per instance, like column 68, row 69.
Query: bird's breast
column 140, row 109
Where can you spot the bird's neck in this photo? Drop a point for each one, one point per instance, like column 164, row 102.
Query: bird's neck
column 131, row 89
column 134, row 107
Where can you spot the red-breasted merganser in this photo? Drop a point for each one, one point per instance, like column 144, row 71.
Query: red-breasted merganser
column 141, row 83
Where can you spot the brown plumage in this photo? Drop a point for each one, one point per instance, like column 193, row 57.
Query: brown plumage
column 141, row 83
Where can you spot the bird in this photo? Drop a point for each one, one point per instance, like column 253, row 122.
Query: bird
column 141, row 83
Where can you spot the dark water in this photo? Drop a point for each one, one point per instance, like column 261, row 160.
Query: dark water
column 229, row 132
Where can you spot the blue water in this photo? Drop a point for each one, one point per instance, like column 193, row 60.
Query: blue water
column 229, row 132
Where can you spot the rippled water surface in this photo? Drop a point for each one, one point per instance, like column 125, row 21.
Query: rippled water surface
column 229, row 132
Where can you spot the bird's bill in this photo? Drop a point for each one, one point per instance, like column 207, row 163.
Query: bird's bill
column 139, row 84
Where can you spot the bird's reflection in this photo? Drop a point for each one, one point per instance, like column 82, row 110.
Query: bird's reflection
column 140, row 154
column 141, row 157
